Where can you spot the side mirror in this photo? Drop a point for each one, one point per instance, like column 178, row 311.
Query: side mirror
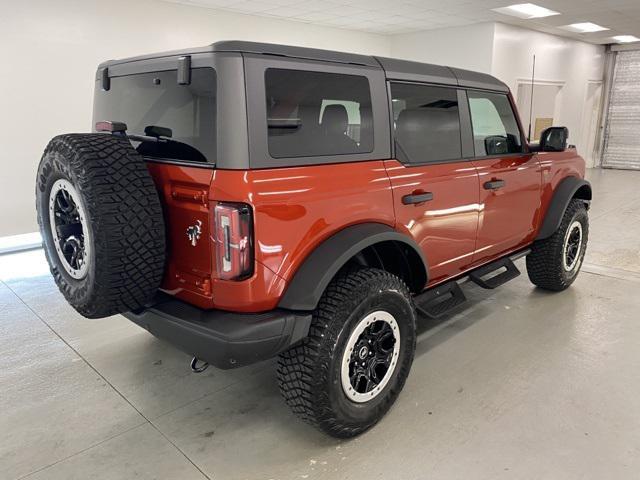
column 496, row 145
column 554, row 139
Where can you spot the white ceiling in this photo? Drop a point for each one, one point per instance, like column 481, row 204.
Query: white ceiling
column 404, row 16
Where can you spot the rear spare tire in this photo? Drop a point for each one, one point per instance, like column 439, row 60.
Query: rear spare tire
column 101, row 223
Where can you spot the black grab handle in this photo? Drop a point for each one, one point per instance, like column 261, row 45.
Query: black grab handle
column 417, row 198
column 494, row 184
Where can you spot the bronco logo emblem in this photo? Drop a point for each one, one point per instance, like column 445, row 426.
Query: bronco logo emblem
column 193, row 232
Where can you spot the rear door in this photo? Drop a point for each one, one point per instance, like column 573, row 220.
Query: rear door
column 509, row 176
column 435, row 191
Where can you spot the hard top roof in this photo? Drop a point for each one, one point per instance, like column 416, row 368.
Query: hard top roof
column 394, row 69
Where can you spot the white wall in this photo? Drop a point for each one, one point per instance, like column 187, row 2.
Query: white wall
column 50, row 50
column 558, row 60
column 469, row 47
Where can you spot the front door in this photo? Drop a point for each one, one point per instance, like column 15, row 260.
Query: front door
column 510, row 178
column 435, row 191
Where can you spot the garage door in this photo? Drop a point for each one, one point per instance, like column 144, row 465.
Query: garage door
column 622, row 133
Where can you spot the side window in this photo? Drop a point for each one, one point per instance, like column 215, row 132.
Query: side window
column 426, row 123
column 495, row 129
column 316, row 113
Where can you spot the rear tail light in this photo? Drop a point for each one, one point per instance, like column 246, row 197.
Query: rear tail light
column 233, row 237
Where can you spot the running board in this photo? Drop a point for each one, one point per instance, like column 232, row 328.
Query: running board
column 440, row 300
column 478, row 276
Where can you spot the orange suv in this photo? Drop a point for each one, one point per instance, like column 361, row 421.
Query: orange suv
column 245, row 201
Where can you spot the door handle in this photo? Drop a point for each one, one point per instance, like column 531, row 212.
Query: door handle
column 417, row 198
column 494, row 184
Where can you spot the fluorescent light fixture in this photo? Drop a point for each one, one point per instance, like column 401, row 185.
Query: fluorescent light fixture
column 585, row 27
column 626, row 38
column 526, row 11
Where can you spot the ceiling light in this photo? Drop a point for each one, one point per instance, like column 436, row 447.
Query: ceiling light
column 585, row 27
column 526, row 11
column 626, row 39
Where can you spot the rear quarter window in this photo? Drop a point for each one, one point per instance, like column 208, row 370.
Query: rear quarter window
column 311, row 114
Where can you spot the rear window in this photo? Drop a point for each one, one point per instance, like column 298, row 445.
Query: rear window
column 316, row 113
column 147, row 100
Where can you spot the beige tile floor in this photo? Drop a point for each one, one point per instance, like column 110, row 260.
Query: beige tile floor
column 520, row 384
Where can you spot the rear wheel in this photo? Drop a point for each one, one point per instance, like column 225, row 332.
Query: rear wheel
column 554, row 262
column 349, row 371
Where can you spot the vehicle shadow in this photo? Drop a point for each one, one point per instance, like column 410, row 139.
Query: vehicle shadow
column 431, row 332
column 480, row 305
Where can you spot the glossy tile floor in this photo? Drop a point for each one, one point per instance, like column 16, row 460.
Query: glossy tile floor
column 520, row 384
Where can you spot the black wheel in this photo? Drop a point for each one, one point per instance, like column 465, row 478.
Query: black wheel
column 101, row 222
column 349, row 371
column 554, row 262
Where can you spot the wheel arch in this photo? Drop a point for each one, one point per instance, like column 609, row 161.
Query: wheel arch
column 568, row 189
column 370, row 244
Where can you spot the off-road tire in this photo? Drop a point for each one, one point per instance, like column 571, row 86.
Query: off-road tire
column 123, row 215
column 545, row 262
column 309, row 373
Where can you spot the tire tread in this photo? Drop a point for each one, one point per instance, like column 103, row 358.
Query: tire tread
column 303, row 369
column 544, row 263
column 126, row 220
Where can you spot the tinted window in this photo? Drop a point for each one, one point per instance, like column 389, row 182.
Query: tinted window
column 495, row 129
column 316, row 113
column 156, row 100
column 426, row 123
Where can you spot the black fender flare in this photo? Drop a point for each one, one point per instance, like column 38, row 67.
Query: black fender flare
column 319, row 268
column 568, row 188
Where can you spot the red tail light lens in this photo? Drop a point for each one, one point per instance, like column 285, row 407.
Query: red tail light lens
column 234, row 244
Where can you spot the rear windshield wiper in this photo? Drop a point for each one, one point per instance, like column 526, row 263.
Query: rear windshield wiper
column 152, row 133
column 156, row 142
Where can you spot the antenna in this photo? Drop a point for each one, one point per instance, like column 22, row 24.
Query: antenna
column 533, row 76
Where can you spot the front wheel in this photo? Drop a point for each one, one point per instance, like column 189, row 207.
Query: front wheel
column 554, row 262
column 349, row 371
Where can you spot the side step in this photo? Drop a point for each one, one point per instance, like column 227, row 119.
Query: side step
column 436, row 302
column 478, row 276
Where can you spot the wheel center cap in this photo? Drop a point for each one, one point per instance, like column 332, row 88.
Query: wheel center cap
column 363, row 352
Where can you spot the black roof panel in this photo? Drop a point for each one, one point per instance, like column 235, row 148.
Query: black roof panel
column 394, row 69
column 290, row 51
column 416, row 72
column 471, row 79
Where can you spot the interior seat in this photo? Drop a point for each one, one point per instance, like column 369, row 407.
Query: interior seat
column 428, row 134
column 335, row 121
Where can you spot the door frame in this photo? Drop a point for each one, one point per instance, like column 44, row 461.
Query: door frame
column 597, row 125
column 539, row 82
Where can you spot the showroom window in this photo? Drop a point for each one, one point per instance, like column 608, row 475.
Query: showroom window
column 154, row 104
column 317, row 113
column 495, row 129
column 426, row 123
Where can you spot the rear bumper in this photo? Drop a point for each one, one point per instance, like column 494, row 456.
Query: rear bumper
column 223, row 339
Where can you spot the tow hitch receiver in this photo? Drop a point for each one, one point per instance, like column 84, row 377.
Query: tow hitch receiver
column 195, row 368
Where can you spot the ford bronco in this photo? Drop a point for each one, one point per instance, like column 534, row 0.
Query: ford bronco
column 244, row 201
